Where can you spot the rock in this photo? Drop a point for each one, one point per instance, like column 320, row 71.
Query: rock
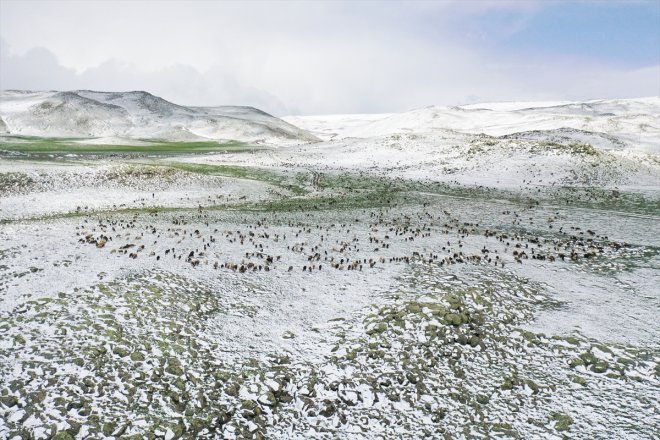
column 250, row 409
column 530, row 337
column 9, row 401
column 233, row 389
column 109, row 428
column 137, row 356
column 532, row 386
column 222, row 376
column 507, row 385
column 483, row 399
column 378, row 328
column 376, row 354
column 578, row 380
column 178, row 430
column 197, row 424
column 600, row 366
column 328, row 409
column 506, row 429
column 97, row 351
column 122, row 429
column 37, row 396
column 453, row 319
column 562, row 421
column 414, row 308
column 223, row 415
column 588, row 358
column 63, row 435
column 174, row 367
column 74, row 427
column 437, row 310
column 268, row 399
column 120, row 351
column 575, row 362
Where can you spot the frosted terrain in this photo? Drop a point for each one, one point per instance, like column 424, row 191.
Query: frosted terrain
column 484, row 271
column 122, row 117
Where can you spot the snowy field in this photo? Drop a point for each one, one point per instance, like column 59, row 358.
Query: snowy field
column 486, row 271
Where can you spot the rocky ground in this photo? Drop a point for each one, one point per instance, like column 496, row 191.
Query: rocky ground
column 201, row 296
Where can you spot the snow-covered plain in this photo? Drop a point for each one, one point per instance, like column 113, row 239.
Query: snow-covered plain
column 468, row 272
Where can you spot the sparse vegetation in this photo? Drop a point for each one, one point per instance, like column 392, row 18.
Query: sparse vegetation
column 455, row 288
column 35, row 147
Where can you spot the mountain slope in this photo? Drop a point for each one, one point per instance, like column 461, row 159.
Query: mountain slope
column 137, row 115
column 633, row 123
column 605, row 143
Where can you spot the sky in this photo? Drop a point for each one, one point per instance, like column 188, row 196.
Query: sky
column 315, row 57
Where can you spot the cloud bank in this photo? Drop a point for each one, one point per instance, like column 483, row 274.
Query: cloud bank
column 293, row 58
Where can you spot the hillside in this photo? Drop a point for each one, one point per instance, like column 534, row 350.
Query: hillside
column 411, row 274
column 604, row 143
column 136, row 115
column 629, row 123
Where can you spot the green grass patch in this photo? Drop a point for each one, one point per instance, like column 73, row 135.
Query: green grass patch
column 238, row 172
column 354, row 200
column 646, row 203
column 37, row 147
column 338, row 202
column 577, row 148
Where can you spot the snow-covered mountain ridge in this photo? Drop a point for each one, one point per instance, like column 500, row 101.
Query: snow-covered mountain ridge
column 136, row 115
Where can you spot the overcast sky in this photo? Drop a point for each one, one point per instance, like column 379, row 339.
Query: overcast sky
column 334, row 57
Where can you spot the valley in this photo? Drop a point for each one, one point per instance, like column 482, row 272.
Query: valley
column 449, row 272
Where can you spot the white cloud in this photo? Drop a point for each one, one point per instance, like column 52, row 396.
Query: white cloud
column 292, row 57
column 39, row 69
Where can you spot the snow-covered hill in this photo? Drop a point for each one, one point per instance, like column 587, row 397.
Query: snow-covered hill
column 594, row 143
column 603, row 143
column 136, row 115
column 628, row 123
